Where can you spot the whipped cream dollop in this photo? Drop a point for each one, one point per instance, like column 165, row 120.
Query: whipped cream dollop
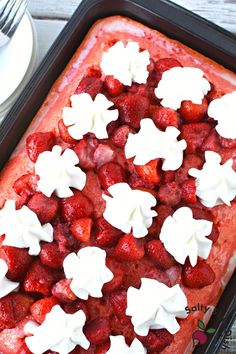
column 182, row 84
column 57, row 172
column 88, row 272
column 183, row 236
column 155, row 306
column 88, row 116
column 129, row 209
column 23, row 229
column 223, row 110
column 119, row 346
column 126, row 63
column 60, row 332
column 158, row 144
column 216, row 182
column 6, row 285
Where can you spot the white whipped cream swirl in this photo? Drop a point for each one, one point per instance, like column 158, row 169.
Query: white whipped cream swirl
column 155, row 306
column 129, row 209
column 182, row 84
column 126, row 63
column 6, row 285
column 119, row 346
column 216, row 182
column 223, row 110
column 183, row 236
column 88, row 272
column 23, row 229
column 151, row 143
column 60, row 332
column 88, row 116
column 57, row 172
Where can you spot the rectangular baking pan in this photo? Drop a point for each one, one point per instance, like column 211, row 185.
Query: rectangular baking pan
column 170, row 19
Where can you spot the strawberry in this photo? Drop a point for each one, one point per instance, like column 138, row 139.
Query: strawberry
column 118, row 276
column 62, row 291
column 105, row 234
column 158, row 254
column 103, row 154
column 112, row 126
column 97, row 331
column 113, row 86
column 72, row 307
column 135, row 181
column 211, row 142
column 149, row 172
column 120, row 135
column 164, row 64
column 40, row 308
column 191, row 112
column 227, row 143
column 188, row 189
column 18, row 261
column 99, row 307
column 39, row 279
column 194, row 134
column 75, row 207
column 156, row 340
column 91, row 85
column 93, row 192
column 103, row 348
column 37, row 143
column 199, row 276
column 64, row 134
column 64, row 238
column 111, row 173
column 168, row 176
column 26, row 184
column 85, row 150
column 169, row 194
column 81, row 229
column 164, row 117
column 118, row 301
column 13, row 308
column 51, row 256
column 190, row 161
column 45, row 208
column 132, row 109
column 126, row 330
column 128, row 249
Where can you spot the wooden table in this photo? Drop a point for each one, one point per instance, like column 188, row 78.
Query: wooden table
column 50, row 16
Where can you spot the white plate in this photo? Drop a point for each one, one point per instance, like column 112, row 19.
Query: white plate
column 15, row 58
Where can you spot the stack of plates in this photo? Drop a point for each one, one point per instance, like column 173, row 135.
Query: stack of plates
column 18, row 60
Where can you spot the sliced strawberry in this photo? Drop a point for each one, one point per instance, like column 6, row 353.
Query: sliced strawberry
column 64, row 238
column 81, row 229
column 14, row 307
column 103, row 154
column 189, row 189
column 137, row 182
column 164, row 64
column 75, row 207
column 132, row 109
column 62, row 291
column 45, row 208
column 164, row 117
column 93, row 192
column 113, row 86
column 99, row 307
column 190, row 161
column 211, row 142
column 26, row 184
column 64, row 133
column 118, row 276
column 118, row 301
column 158, row 254
column 199, row 276
column 168, row 176
column 37, row 143
column 103, row 348
column 191, row 112
column 227, row 143
column 111, row 173
column 41, row 307
column 91, row 85
column 169, row 194
column 120, row 135
column 72, row 307
column 194, row 134
column 18, row 261
column 85, row 150
column 126, row 330
column 51, row 256
column 157, row 340
column 39, row 279
column 149, row 172
column 128, row 249
column 105, row 234
column 97, row 331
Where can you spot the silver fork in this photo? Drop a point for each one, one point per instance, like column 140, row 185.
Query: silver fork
column 11, row 13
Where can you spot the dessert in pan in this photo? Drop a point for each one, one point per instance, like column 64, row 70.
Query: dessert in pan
column 117, row 207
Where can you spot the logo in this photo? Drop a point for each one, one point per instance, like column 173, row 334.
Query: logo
column 199, row 336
